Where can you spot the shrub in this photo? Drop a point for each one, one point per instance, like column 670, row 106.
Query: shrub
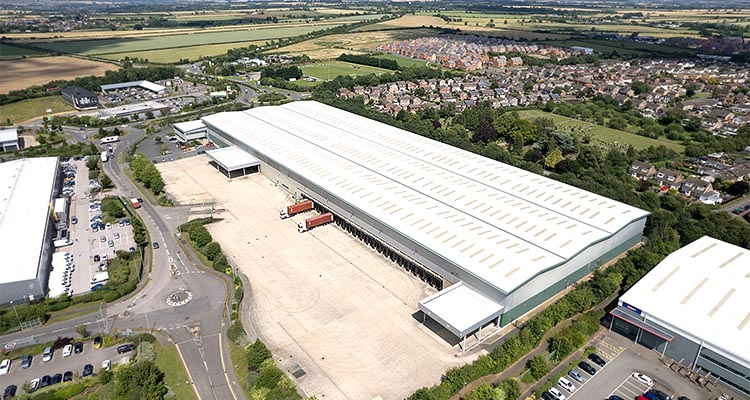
column 257, row 353
column 538, row 366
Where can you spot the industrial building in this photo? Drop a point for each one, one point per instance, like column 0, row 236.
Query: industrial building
column 694, row 307
column 233, row 162
column 499, row 239
column 190, row 130
column 9, row 139
column 27, row 229
column 80, row 98
column 147, row 85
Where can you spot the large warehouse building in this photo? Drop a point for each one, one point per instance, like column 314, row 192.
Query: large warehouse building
column 695, row 308
column 26, row 227
column 505, row 238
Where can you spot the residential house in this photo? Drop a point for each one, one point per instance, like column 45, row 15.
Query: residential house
column 695, row 187
column 668, row 178
column 642, row 170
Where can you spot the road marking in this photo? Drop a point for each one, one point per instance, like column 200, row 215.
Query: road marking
column 58, row 330
column 188, row 372
column 593, row 376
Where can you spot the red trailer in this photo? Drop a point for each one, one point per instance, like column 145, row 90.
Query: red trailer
column 296, row 208
column 312, row 222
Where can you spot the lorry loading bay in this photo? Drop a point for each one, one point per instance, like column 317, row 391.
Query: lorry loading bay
column 336, row 314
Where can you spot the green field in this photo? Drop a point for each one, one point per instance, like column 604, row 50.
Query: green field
column 332, row 69
column 13, row 51
column 125, row 46
column 27, row 109
column 405, row 62
column 602, row 133
column 607, row 46
column 175, row 376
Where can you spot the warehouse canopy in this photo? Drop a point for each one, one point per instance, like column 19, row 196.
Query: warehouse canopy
column 233, row 161
column 460, row 309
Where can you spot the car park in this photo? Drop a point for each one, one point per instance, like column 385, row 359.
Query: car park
column 556, row 393
column 78, row 347
column 67, row 350
column 4, row 366
column 597, row 359
column 68, row 376
column 586, row 367
column 10, row 391
column 645, row 379
column 97, row 342
column 88, row 369
column 566, row 384
column 26, row 361
column 48, row 352
column 576, row 375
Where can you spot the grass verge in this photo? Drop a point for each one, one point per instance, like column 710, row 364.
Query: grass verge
column 175, row 376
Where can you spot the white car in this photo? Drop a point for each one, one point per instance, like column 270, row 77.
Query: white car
column 566, row 384
column 556, row 393
column 34, row 384
column 4, row 366
column 106, row 365
column 67, row 350
column 645, row 379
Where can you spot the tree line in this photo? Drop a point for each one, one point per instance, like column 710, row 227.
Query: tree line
column 371, row 61
column 146, row 172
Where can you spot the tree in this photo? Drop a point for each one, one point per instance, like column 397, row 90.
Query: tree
column 257, row 352
column 739, row 188
column 486, row 392
column 538, row 366
column 142, row 380
column 81, row 330
column 641, row 87
column 93, row 163
column 106, row 182
column 212, row 250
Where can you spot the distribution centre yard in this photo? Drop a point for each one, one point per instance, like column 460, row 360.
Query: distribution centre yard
column 22, row 111
column 322, row 300
column 20, row 74
column 602, row 133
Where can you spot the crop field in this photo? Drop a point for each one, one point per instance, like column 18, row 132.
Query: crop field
column 403, row 61
column 13, row 51
column 173, row 55
column 333, row 69
column 608, row 46
column 28, row 109
column 22, row 73
column 600, row 133
column 132, row 45
column 331, row 46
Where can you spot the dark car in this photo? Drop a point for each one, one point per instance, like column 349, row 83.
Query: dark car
column 10, row 391
column 659, row 394
column 56, row 378
column 548, row 396
column 96, row 258
column 125, row 348
column 68, row 376
column 156, row 245
column 615, row 397
column 45, row 381
column 26, row 361
column 650, row 396
column 683, row 397
column 74, row 220
column 587, row 367
column 597, row 360
column 97, row 287
column 78, row 347
column 88, row 369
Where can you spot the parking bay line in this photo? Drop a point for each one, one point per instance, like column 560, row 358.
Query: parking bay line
column 593, row 376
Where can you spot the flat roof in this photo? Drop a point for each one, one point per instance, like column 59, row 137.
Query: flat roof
column 154, row 87
column 9, row 135
column 25, row 197
column 499, row 223
column 701, row 291
column 460, row 308
column 188, row 126
column 233, row 158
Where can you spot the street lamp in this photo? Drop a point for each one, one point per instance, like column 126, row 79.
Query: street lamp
column 16, row 312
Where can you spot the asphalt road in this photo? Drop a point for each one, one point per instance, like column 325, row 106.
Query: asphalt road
column 198, row 327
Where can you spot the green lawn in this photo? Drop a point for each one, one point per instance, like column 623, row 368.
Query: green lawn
column 239, row 363
column 111, row 46
column 403, row 61
column 603, row 133
column 175, row 376
column 25, row 110
column 332, row 69
column 7, row 50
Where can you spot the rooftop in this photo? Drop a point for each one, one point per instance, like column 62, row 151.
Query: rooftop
column 501, row 224
column 701, row 290
column 144, row 84
column 8, row 134
column 460, row 308
column 232, row 158
column 25, row 196
column 189, row 126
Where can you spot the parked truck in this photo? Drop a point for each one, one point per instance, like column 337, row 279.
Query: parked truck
column 312, row 222
column 105, row 156
column 135, row 203
column 296, row 209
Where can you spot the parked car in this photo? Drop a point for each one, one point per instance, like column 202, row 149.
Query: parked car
column 156, row 245
column 106, row 365
column 67, row 350
column 26, row 361
column 48, row 352
column 120, row 223
column 566, row 384
column 116, row 235
column 4, row 366
column 659, row 394
column 10, row 391
column 548, row 396
column 78, row 347
column 615, row 397
column 108, row 226
column 597, row 359
column 88, row 369
column 68, row 376
column 56, row 378
column 97, row 342
column 587, row 367
column 102, row 239
column 125, row 348
column 556, row 393
column 96, row 258
column 645, row 379
column 110, row 244
column 131, row 249
column 105, row 257
column 44, row 382
column 576, row 375
column 74, row 220
column 97, row 287
column 34, row 384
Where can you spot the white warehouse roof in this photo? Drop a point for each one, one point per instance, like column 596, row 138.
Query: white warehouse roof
column 701, row 291
column 232, row 158
column 148, row 85
column 499, row 223
column 25, row 202
column 189, row 126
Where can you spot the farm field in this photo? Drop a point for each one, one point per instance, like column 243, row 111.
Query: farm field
column 331, row 46
column 403, row 61
column 20, row 74
column 132, row 45
column 608, row 46
column 602, row 133
column 13, row 51
column 173, row 55
column 25, row 110
column 337, row 68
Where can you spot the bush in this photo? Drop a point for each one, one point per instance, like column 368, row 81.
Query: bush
column 146, row 352
column 257, row 353
column 212, row 250
column 538, row 367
